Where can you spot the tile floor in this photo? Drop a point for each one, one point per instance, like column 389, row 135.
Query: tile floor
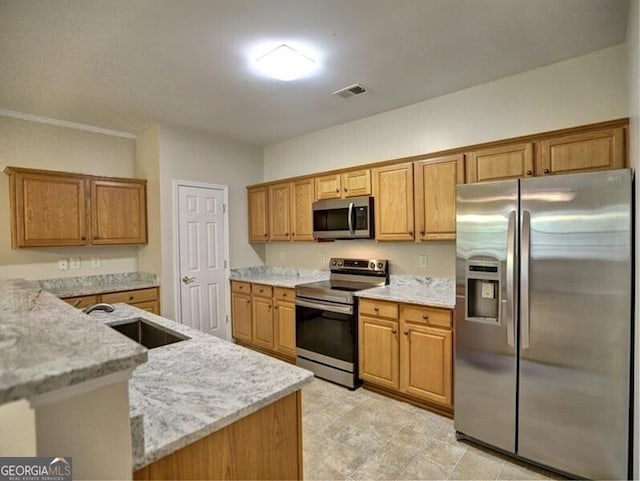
column 361, row 435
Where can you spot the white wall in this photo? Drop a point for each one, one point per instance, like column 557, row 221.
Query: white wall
column 633, row 43
column 41, row 146
column 189, row 155
column 582, row 90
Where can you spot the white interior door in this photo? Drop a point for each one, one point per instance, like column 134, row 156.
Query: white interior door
column 202, row 265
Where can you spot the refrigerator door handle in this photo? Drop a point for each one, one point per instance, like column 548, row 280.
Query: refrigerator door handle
column 511, row 293
column 525, row 252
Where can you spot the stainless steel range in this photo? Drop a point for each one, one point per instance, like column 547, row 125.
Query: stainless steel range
column 327, row 318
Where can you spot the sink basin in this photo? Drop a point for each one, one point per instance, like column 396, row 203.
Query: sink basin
column 147, row 333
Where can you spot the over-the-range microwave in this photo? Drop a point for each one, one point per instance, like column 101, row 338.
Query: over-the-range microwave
column 343, row 218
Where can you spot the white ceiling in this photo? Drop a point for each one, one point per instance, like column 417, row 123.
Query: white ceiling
column 126, row 64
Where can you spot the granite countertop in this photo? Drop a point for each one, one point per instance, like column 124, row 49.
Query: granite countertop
column 278, row 276
column 192, row 388
column 98, row 284
column 427, row 291
column 46, row 344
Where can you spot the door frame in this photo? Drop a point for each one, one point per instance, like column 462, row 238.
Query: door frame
column 177, row 183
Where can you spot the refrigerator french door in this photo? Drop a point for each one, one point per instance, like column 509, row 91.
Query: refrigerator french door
column 544, row 275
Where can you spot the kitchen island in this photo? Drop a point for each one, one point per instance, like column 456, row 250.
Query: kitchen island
column 212, row 409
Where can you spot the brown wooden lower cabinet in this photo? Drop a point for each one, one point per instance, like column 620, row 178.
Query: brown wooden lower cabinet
column 264, row 445
column 407, row 350
column 145, row 299
column 264, row 317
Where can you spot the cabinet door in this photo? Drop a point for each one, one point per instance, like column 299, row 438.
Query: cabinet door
column 285, row 323
column 118, row 212
column 378, row 351
column 425, row 363
column 598, row 150
column 328, row 187
column 81, row 302
column 500, row 163
column 302, row 195
column 279, row 212
column 258, row 214
column 150, row 306
column 393, row 192
column 241, row 317
column 435, row 191
column 48, row 210
column 356, row 183
column 262, row 321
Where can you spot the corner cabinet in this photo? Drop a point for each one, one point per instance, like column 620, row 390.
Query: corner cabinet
column 50, row 209
column 264, row 318
column 435, row 196
column 393, row 208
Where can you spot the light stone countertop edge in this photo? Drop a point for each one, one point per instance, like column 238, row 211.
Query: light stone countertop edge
column 408, row 296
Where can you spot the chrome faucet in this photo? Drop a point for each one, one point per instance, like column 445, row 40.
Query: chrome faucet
column 99, row 307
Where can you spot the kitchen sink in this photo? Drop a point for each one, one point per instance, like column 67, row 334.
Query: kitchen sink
column 147, row 333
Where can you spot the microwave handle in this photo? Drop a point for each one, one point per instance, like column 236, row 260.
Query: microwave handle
column 350, row 215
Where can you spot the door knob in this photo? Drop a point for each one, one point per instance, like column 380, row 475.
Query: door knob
column 188, row 280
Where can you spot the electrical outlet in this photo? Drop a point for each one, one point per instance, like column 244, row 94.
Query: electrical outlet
column 323, row 257
column 283, row 255
column 423, row 261
column 95, row 262
column 74, row 263
column 63, row 265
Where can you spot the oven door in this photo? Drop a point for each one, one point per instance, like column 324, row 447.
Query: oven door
column 326, row 333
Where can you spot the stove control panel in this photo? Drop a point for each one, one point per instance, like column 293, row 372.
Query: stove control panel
column 375, row 265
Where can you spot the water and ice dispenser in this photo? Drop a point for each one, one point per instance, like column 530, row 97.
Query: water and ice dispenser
column 483, row 292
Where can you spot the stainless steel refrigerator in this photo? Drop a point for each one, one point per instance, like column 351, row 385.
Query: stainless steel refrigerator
column 543, row 345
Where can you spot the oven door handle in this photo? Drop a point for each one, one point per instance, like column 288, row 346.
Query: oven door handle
column 325, row 306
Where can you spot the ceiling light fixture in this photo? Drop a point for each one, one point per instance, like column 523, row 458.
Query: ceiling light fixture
column 285, row 63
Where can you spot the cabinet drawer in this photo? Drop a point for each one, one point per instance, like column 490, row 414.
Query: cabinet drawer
column 149, row 306
column 376, row 308
column 240, row 287
column 81, row 301
column 426, row 315
column 132, row 297
column 261, row 290
column 284, row 294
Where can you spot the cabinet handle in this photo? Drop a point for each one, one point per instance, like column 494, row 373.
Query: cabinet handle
column 293, row 234
column 286, row 233
column 376, row 309
column 284, row 294
column 77, row 303
column 421, row 232
column 83, row 238
column 529, row 173
column 345, row 189
column 410, row 232
column 406, row 333
column 546, row 171
column 337, row 191
column 131, row 298
column 394, row 331
column 425, row 317
column 276, row 307
column 248, row 301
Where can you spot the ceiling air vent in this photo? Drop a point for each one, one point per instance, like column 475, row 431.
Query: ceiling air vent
column 350, row 91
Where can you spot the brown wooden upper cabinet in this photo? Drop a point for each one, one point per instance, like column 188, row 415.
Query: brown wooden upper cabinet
column 51, row 209
column 302, row 195
column 279, row 221
column 258, row 199
column 435, row 183
column 500, row 163
column 353, row 183
column 118, row 212
column 393, row 193
column 595, row 150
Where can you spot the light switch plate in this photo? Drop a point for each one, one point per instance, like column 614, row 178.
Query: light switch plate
column 63, row 265
column 95, row 262
column 74, row 263
column 423, row 261
column 323, row 257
